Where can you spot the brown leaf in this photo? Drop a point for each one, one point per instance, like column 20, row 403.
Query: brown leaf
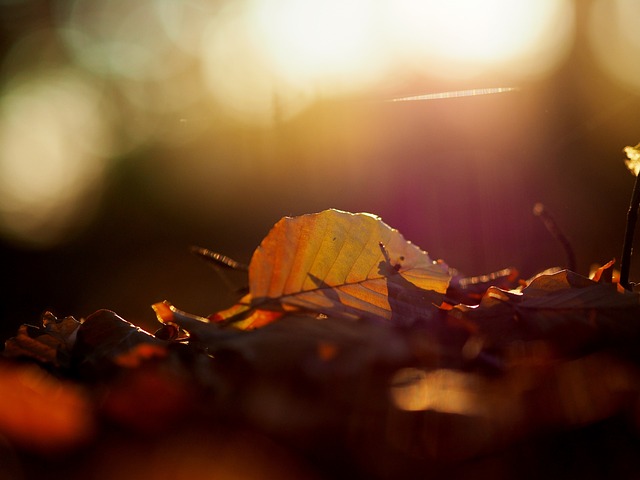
column 50, row 342
column 104, row 337
column 571, row 312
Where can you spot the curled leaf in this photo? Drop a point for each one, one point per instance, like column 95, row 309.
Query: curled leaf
column 104, row 337
column 347, row 265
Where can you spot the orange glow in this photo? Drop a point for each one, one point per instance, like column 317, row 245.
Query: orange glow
column 27, row 395
column 327, row 350
column 239, row 76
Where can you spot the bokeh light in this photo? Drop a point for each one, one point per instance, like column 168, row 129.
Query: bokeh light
column 207, row 121
column 440, row 390
column 119, row 38
column 54, row 145
column 145, row 53
column 163, row 74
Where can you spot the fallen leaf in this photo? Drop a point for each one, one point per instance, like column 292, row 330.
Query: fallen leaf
column 105, row 337
column 347, row 265
column 571, row 312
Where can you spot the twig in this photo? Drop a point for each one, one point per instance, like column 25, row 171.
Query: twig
column 627, row 246
column 222, row 264
column 218, row 260
column 552, row 227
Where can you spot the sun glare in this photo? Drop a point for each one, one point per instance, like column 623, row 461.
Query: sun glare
column 460, row 38
column 239, row 77
column 311, row 41
column 273, row 57
column 281, row 54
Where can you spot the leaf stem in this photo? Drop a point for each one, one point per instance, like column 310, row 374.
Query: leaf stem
column 627, row 246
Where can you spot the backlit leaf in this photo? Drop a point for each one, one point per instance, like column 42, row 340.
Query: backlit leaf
column 633, row 159
column 346, row 265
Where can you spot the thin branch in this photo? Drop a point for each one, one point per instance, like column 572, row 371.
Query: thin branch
column 222, row 265
column 627, row 246
column 552, row 227
column 218, row 260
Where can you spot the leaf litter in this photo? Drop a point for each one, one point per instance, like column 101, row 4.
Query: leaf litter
column 350, row 339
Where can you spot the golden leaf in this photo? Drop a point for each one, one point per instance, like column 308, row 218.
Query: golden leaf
column 346, row 265
column 633, row 159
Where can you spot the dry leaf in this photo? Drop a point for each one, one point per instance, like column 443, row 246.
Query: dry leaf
column 103, row 338
column 50, row 342
column 346, row 265
column 570, row 312
column 633, row 159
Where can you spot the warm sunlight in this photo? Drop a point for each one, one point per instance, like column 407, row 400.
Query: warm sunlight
column 462, row 38
column 311, row 41
column 239, row 75
column 270, row 58
column 171, row 69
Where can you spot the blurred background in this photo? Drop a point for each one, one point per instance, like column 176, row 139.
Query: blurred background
column 130, row 131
